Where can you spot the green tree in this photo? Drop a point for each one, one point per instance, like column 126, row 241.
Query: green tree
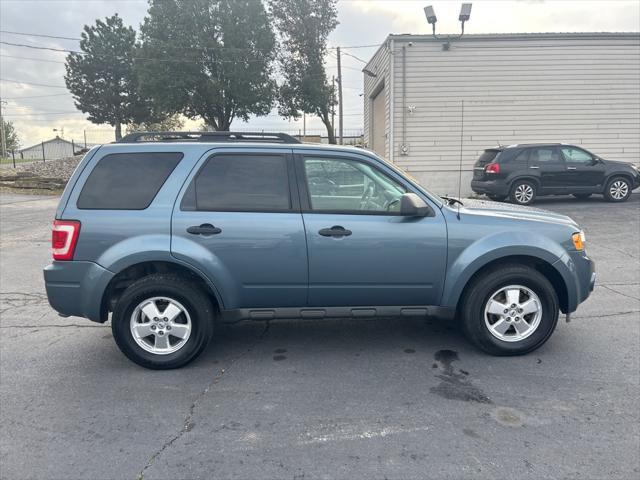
column 216, row 59
column 11, row 140
column 102, row 79
column 170, row 124
column 304, row 26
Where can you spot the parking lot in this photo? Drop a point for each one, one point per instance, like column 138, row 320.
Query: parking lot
column 385, row 398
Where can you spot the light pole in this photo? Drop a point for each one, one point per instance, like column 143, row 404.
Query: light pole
column 465, row 14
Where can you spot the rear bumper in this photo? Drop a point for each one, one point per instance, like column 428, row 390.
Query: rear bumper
column 75, row 288
column 490, row 187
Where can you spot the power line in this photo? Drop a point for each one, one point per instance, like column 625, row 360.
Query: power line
column 31, row 83
column 32, row 58
column 39, row 35
column 357, row 58
column 37, row 96
column 76, row 39
column 24, row 45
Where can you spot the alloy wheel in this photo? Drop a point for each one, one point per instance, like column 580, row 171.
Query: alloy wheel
column 513, row 313
column 524, row 193
column 160, row 325
column 619, row 189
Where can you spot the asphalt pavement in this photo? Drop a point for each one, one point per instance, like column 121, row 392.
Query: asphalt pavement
column 385, row 398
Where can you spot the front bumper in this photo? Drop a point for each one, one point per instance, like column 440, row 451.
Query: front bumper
column 580, row 278
column 76, row 288
column 490, row 187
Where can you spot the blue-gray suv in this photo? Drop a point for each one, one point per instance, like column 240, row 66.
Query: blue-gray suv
column 169, row 233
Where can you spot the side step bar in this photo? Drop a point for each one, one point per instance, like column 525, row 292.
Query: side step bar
column 232, row 316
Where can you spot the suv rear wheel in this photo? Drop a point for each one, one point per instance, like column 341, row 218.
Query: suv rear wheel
column 511, row 310
column 618, row 189
column 162, row 321
column 523, row 192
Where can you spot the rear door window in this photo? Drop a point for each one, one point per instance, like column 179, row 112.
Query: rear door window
column 544, row 156
column 127, row 181
column 240, row 182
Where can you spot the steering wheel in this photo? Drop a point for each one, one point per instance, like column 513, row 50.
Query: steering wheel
column 391, row 203
column 368, row 193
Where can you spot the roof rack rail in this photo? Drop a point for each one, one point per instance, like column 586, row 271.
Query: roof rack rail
column 208, row 137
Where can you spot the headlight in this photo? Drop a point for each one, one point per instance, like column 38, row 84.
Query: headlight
column 634, row 167
column 579, row 240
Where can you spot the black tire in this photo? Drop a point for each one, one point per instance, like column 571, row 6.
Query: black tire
column 527, row 186
column 612, row 189
column 477, row 295
column 497, row 198
column 581, row 196
column 178, row 288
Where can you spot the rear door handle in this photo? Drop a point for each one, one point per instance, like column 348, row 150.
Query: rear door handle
column 335, row 231
column 534, row 167
column 571, row 168
column 204, row 229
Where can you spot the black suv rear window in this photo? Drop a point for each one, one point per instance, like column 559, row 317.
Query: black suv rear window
column 240, row 182
column 127, row 181
column 487, row 156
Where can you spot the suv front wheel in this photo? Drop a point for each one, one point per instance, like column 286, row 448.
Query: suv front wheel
column 162, row 321
column 511, row 310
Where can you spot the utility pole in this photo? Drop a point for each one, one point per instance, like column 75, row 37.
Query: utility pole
column 3, row 140
column 339, row 95
column 333, row 106
column 304, row 127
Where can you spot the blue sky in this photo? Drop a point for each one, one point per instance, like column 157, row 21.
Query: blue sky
column 363, row 22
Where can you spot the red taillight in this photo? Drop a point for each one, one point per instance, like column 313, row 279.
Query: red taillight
column 64, row 238
column 492, row 168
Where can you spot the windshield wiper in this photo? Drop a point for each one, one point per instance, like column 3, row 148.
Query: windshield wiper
column 452, row 200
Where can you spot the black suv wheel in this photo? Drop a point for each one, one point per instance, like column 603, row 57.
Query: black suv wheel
column 618, row 189
column 523, row 192
column 162, row 321
column 511, row 310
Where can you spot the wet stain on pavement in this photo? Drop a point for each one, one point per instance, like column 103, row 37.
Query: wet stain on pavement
column 508, row 417
column 279, row 358
column 470, row 433
column 454, row 385
column 409, row 350
column 280, row 350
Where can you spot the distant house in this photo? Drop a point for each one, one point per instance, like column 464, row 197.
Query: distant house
column 49, row 150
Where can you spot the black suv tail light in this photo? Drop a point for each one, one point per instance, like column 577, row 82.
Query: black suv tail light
column 492, row 168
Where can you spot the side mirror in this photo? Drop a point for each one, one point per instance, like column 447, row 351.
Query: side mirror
column 411, row 205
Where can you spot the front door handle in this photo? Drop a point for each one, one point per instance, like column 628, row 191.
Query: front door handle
column 534, row 167
column 204, row 229
column 335, row 231
column 571, row 168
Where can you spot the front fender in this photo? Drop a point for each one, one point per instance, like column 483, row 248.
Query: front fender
column 498, row 246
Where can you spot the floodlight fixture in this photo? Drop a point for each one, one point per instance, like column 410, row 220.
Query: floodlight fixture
column 465, row 12
column 431, row 15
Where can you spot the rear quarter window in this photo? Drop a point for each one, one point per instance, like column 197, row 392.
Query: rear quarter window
column 127, row 181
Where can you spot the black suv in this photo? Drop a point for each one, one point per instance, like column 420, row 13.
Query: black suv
column 523, row 172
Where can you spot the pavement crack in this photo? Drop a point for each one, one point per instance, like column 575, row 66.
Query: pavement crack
column 606, row 314
column 619, row 292
column 188, row 424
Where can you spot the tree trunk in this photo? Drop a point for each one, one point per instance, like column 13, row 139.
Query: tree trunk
column 118, row 131
column 330, row 133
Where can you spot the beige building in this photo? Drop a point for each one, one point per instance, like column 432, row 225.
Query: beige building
column 427, row 102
